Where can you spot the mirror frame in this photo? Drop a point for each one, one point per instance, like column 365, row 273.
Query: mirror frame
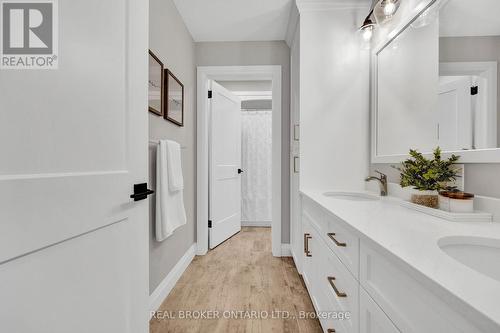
column 490, row 155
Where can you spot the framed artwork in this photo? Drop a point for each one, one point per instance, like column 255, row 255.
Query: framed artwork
column 174, row 106
column 155, row 85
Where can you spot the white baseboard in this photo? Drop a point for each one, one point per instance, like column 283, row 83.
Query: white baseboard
column 165, row 287
column 298, row 264
column 286, row 250
column 256, row 223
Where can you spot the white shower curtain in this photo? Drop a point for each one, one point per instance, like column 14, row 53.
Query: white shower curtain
column 256, row 184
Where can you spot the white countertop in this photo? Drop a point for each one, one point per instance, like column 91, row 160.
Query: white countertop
column 413, row 238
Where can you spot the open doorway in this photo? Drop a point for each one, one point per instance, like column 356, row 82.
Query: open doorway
column 240, row 157
column 256, row 150
column 258, row 182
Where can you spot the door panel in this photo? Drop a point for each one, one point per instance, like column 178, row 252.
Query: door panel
column 455, row 113
column 225, row 160
column 75, row 142
column 54, row 290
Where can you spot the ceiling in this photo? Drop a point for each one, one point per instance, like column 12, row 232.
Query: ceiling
column 470, row 18
column 235, row 20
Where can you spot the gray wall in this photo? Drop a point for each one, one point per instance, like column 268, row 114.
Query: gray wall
column 170, row 40
column 259, row 53
column 481, row 179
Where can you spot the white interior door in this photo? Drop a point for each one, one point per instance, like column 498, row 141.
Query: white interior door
column 73, row 141
column 455, row 113
column 224, row 165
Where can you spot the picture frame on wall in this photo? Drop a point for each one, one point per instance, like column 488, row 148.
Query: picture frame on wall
column 155, row 85
column 174, row 101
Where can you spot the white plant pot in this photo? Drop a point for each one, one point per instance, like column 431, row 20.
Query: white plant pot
column 462, row 206
column 444, row 203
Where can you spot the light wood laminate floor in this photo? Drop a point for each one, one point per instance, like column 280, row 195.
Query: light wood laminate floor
column 239, row 275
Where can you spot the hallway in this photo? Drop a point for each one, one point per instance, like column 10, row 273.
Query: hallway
column 236, row 278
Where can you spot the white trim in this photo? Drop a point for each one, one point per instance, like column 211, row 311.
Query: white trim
column 286, row 250
column 296, row 260
column 470, row 156
column 236, row 73
column 165, row 287
column 293, row 22
column 322, row 5
column 263, row 224
column 254, row 95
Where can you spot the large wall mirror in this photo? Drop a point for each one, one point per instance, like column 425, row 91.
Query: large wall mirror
column 436, row 84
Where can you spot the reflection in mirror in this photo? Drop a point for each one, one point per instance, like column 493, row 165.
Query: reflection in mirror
column 437, row 81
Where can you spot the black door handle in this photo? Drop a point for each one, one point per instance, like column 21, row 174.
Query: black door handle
column 141, row 192
column 240, row 171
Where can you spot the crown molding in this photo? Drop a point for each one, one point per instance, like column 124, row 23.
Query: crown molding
column 322, row 5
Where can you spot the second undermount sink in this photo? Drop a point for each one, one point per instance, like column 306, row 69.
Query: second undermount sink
column 477, row 253
column 352, row 196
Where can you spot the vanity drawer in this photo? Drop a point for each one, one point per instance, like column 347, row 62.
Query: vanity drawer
column 343, row 242
column 342, row 291
column 410, row 305
column 335, row 232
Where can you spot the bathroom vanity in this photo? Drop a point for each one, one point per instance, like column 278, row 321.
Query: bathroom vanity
column 371, row 265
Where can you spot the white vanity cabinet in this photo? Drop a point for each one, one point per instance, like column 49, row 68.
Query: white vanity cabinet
column 409, row 304
column 346, row 272
column 333, row 288
column 372, row 318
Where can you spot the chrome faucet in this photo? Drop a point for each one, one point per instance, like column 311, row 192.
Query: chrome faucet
column 382, row 180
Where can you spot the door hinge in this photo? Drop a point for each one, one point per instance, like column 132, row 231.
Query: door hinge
column 210, row 223
column 210, row 94
column 474, row 90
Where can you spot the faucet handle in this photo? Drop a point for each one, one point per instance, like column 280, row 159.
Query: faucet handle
column 383, row 175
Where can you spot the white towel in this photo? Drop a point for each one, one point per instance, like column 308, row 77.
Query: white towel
column 175, row 180
column 170, row 211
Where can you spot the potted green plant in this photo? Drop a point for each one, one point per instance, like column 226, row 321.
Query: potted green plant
column 427, row 176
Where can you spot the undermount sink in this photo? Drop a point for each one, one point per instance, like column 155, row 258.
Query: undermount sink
column 352, row 196
column 479, row 254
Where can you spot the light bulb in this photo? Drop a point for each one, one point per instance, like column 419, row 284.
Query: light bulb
column 389, row 8
column 367, row 33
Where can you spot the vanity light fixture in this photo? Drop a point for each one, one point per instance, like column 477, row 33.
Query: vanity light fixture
column 381, row 11
column 367, row 28
column 390, row 7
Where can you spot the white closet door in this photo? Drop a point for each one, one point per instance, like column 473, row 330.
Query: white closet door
column 73, row 141
column 224, row 165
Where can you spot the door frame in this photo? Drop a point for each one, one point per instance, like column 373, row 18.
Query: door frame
column 487, row 70
column 235, row 73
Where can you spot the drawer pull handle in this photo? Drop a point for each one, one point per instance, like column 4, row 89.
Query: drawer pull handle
column 330, row 330
column 332, row 237
column 339, row 294
column 307, row 237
